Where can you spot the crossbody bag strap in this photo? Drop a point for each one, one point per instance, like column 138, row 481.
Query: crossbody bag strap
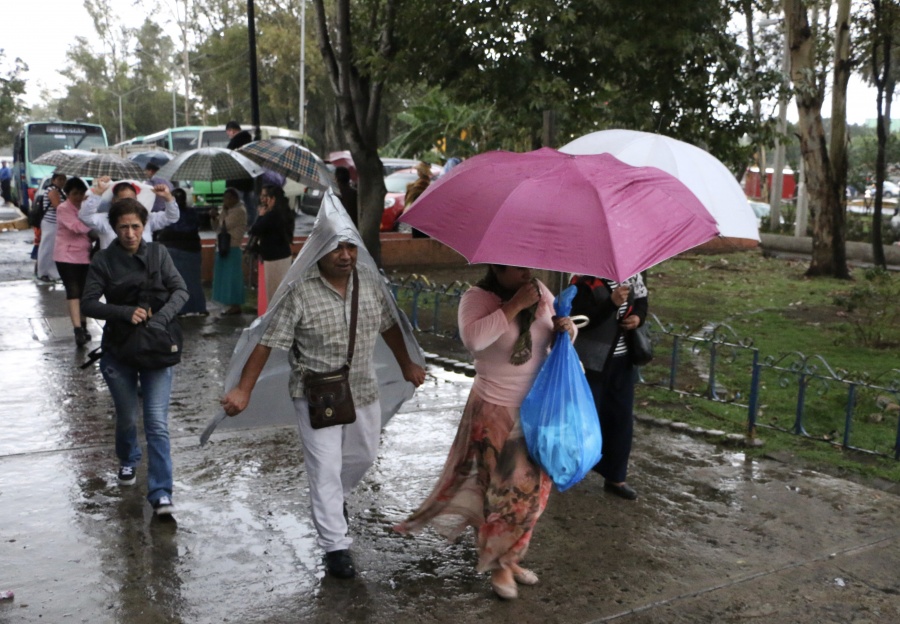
column 354, row 308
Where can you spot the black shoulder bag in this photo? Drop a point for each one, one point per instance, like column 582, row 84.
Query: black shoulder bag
column 223, row 239
column 147, row 345
column 328, row 394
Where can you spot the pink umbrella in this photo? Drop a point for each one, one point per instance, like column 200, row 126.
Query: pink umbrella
column 590, row 214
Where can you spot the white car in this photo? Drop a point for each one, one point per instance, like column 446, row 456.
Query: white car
column 891, row 190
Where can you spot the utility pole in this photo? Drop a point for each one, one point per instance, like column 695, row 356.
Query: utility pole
column 302, row 117
column 254, row 86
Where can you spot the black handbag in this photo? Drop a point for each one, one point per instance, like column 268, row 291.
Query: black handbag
column 223, row 243
column 639, row 346
column 328, row 394
column 149, row 345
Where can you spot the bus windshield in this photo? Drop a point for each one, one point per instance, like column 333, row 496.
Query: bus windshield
column 43, row 138
column 184, row 140
column 215, row 138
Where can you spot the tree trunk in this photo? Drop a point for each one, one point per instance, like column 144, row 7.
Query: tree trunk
column 358, row 97
column 839, row 140
column 829, row 250
column 884, row 82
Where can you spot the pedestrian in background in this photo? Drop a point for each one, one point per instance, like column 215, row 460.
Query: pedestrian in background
column 238, row 138
column 99, row 222
column 416, row 188
column 613, row 311
column 228, row 270
column 5, row 182
column 120, row 274
column 150, row 170
column 72, row 254
column 182, row 239
column 489, row 481
column 274, row 232
column 348, row 194
column 45, row 205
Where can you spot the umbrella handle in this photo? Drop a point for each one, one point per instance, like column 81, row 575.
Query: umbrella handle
column 580, row 320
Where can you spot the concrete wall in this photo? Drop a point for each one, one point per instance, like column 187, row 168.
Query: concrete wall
column 860, row 252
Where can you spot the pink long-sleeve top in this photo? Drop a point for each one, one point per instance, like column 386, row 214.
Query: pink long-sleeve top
column 490, row 338
column 72, row 243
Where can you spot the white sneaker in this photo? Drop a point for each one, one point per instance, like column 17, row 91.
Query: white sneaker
column 164, row 506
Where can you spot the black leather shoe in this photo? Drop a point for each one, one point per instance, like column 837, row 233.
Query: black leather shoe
column 340, row 564
column 623, row 491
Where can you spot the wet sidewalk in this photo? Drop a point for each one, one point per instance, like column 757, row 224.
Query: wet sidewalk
column 714, row 537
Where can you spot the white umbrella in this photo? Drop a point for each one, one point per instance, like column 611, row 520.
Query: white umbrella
column 700, row 171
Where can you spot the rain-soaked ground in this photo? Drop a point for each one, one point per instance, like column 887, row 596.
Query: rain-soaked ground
column 714, row 537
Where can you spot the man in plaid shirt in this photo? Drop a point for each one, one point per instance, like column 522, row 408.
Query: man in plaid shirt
column 315, row 316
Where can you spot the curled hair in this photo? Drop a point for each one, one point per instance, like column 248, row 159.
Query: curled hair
column 126, row 206
column 75, row 184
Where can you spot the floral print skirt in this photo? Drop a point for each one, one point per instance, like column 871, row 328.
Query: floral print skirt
column 488, row 482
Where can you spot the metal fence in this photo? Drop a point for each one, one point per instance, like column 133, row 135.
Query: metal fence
column 791, row 392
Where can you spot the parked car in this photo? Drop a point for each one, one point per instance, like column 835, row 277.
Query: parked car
column 891, row 189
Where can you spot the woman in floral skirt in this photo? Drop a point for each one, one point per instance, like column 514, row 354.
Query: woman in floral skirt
column 489, row 482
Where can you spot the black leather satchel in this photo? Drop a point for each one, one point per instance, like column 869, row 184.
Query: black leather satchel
column 639, row 346
column 328, row 394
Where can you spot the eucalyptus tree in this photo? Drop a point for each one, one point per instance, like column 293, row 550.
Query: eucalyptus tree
column 12, row 88
column 881, row 52
column 358, row 49
column 826, row 161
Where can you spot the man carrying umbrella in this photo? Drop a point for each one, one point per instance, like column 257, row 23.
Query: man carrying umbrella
column 310, row 319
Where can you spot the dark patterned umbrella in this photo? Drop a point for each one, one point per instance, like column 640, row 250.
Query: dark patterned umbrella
column 290, row 160
column 209, row 164
column 97, row 165
column 157, row 157
column 60, row 157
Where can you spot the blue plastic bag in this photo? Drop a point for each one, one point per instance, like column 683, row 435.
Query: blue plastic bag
column 559, row 418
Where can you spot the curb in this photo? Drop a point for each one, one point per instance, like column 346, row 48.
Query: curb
column 715, row 436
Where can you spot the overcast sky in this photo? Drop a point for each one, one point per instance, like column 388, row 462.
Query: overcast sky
column 45, row 50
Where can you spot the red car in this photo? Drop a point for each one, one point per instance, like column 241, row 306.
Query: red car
column 396, row 184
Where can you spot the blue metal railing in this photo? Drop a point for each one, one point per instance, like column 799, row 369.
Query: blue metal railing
column 712, row 361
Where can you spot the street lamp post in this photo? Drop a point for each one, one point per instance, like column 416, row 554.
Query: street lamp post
column 121, row 120
column 302, row 124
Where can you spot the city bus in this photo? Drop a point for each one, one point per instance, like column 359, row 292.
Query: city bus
column 39, row 137
column 187, row 138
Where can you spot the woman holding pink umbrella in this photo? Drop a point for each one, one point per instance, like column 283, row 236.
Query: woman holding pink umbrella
column 489, row 482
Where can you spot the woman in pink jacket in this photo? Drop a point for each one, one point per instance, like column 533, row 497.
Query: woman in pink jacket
column 72, row 254
column 489, row 481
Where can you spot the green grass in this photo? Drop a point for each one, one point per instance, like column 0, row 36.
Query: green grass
column 770, row 304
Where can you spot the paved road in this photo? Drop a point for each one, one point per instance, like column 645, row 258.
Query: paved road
column 714, row 536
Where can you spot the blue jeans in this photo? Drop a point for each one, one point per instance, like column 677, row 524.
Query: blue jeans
column 156, row 390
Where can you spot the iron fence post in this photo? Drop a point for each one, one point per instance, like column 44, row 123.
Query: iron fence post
column 674, row 362
column 801, row 399
column 848, row 419
column 754, row 395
